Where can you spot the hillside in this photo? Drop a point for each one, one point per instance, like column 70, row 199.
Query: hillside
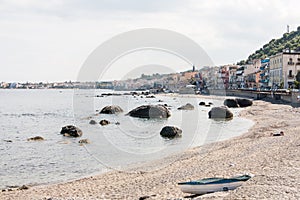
column 289, row 41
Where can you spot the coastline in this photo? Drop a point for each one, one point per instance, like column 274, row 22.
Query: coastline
column 273, row 161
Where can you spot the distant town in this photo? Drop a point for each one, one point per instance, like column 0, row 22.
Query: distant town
column 280, row 71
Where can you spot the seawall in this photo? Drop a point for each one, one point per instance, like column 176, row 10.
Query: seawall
column 282, row 96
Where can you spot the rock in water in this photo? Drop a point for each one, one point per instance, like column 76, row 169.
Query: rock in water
column 71, row 131
column 231, row 103
column 93, row 122
column 84, row 141
column 104, row 122
column 36, row 138
column 220, row 113
column 113, row 109
column 170, row 132
column 150, row 111
column 244, row 102
column 187, row 106
column 202, row 103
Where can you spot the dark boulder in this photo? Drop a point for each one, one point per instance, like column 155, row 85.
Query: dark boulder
column 170, row 132
column 231, row 103
column 202, row 103
column 36, row 138
column 150, row 111
column 113, row 109
column 104, row 122
column 92, row 122
column 220, row 113
column 244, row 102
column 71, row 131
column 187, row 106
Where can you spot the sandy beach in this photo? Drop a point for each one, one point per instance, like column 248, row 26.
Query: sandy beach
column 274, row 162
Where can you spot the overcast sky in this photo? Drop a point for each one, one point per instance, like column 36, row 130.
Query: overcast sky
column 49, row 40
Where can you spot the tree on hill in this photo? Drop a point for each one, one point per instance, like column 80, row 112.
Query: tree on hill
column 289, row 41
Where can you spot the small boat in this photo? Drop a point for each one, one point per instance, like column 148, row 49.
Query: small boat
column 209, row 185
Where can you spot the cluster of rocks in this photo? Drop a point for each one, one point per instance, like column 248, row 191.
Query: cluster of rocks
column 235, row 103
column 158, row 111
column 223, row 112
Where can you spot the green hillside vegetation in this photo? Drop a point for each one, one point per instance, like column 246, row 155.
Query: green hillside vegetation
column 289, row 41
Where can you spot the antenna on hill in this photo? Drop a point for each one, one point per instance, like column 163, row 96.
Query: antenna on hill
column 288, row 29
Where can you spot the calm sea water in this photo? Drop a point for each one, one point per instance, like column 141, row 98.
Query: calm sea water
column 29, row 113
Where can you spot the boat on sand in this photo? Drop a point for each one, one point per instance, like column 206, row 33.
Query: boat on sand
column 209, row 185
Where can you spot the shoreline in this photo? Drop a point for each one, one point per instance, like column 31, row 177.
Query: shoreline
column 268, row 158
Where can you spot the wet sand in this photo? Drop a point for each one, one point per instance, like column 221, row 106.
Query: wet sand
column 274, row 162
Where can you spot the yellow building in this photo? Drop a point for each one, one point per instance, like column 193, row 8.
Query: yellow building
column 284, row 69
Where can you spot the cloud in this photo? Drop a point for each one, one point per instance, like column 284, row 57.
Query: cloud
column 49, row 40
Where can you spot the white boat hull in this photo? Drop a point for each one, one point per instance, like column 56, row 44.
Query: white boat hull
column 208, row 188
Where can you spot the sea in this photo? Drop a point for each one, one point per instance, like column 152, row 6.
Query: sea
column 124, row 143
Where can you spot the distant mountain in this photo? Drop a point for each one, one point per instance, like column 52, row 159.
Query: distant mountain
column 288, row 42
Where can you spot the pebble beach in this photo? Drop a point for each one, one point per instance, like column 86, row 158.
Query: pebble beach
column 274, row 162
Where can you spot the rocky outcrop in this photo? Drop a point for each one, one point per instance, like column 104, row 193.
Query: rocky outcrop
column 104, row 122
column 244, row 102
column 220, row 113
column 71, row 131
column 36, row 138
column 231, row 103
column 150, row 111
column 170, row 132
column 113, row 109
column 187, row 106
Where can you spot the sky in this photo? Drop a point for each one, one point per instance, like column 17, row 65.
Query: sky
column 50, row 40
